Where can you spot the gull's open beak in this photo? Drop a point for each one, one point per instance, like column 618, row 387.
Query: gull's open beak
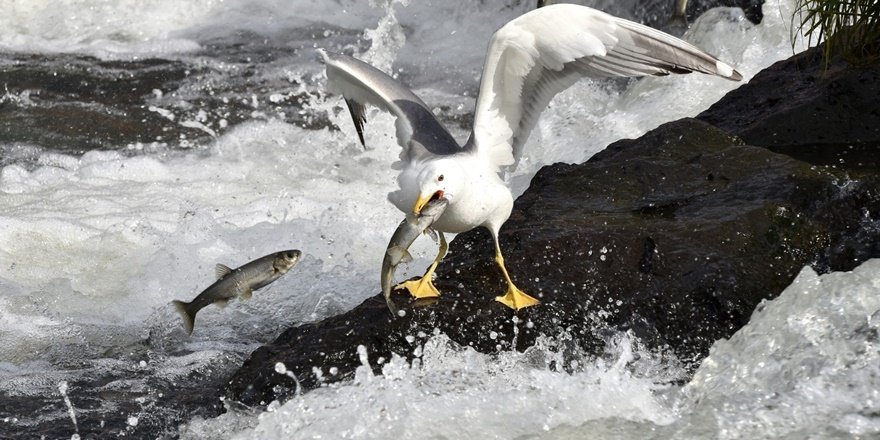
column 423, row 200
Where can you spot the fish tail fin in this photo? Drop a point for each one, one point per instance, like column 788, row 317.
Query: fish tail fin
column 189, row 319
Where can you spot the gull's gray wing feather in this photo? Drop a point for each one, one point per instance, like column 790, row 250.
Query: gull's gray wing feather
column 418, row 131
column 534, row 57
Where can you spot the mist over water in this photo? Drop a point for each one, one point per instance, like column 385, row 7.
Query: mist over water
column 94, row 246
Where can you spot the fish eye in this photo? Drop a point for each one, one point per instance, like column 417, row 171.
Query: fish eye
column 440, row 178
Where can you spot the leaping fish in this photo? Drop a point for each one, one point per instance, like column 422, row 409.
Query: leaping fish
column 240, row 282
column 402, row 239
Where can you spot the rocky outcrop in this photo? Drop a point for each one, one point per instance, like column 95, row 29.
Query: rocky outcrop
column 77, row 103
column 818, row 114
column 676, row 236
column 68, row 101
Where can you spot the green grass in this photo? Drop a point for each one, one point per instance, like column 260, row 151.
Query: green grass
column 850, row 28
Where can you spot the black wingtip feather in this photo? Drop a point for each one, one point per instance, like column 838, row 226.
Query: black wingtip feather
column 357, row 116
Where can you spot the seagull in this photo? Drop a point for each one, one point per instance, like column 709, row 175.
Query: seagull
column 529, row 60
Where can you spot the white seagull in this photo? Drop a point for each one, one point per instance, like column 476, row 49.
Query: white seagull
column 529, row 60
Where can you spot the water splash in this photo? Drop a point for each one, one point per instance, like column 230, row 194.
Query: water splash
column 807, row 365
column 488, row 396
column 808, row 362
column 62, row 388
column 280, row 368
column 94, row 246
column 387, row 38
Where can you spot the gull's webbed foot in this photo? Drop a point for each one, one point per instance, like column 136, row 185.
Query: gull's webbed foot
column 421, row 288
column 516, row 299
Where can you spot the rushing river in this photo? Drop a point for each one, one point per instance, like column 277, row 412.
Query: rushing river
column 225, row 148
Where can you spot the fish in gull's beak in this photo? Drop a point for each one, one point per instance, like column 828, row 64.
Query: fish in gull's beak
column 424, row 200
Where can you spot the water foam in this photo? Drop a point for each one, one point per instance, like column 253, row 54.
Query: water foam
column 95, row 246
column 807, row 364
column 500, row 396
column 100, row 27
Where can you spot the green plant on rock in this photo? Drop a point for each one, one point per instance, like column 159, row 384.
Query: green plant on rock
column 850, row 28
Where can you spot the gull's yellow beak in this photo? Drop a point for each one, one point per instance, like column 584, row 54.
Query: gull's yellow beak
column 423, row 200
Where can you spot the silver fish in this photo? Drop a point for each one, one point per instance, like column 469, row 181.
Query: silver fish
column 403, row 238
column 240, row 282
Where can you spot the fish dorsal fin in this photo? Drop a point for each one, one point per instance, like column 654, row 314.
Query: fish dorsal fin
column 430, row 232
column 221, row 270
column 398, row 255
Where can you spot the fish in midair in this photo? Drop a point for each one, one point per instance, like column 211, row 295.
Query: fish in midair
column 240, row 282
column 403, row 238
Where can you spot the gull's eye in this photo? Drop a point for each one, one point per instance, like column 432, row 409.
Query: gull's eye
column 440, row 179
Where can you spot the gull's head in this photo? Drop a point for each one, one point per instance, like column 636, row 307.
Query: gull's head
column 439, row 179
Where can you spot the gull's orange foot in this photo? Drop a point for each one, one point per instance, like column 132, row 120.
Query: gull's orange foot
column 421, row 288
column 516, row 299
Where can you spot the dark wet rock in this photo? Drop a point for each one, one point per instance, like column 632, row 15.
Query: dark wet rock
column 799, row 108
column 113, row 398
column 676, row 236
column 77, row 103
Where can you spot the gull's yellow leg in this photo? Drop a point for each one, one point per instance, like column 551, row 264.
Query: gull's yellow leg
column 515, row 299
column 424, row 287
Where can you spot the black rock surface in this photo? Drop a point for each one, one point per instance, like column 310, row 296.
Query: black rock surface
column 77, row 103
column 824, row 116
column 675, row 236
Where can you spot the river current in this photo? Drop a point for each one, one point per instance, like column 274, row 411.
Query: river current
column 239, row 153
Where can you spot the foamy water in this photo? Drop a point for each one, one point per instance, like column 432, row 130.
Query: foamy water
column 93, row 247
column 806, row 366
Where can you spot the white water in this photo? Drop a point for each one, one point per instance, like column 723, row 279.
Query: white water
column 806, row 366
column 93, row 248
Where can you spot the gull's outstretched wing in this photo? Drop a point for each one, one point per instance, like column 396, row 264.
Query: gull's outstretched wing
column 545, row 51
column 418, row 131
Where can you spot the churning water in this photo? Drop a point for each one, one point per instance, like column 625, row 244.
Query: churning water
column 93, row 246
